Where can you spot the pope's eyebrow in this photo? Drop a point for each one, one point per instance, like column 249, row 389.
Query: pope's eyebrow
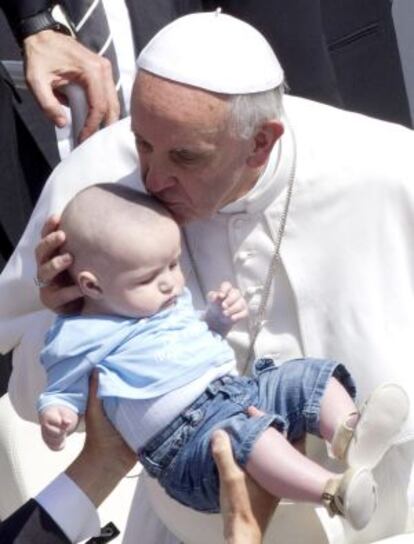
column 187, row 154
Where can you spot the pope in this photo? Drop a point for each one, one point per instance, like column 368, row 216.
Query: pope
column 306, row 208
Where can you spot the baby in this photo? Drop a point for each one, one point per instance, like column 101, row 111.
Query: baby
column 168, row 378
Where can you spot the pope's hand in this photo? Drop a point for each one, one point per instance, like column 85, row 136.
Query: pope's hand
column 58, row 293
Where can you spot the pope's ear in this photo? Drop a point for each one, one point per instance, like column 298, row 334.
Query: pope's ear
column 89, row 285
column 263, row 141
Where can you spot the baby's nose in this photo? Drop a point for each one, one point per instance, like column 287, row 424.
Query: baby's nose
column 166, row 286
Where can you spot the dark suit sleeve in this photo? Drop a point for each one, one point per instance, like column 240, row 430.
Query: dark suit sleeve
column 31, row 524
column 19, row 9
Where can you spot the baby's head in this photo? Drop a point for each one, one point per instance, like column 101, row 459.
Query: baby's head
column 126, row 249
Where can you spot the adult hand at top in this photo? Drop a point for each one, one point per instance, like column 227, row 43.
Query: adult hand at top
column 53, row 60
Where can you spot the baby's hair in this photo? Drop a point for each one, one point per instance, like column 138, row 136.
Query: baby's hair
column 98, row 217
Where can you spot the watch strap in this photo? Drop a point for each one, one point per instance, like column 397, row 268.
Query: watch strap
column 43, row 20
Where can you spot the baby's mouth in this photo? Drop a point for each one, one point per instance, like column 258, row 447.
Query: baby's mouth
column 169, row 302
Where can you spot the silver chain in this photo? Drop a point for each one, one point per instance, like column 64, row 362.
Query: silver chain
column 271, row 273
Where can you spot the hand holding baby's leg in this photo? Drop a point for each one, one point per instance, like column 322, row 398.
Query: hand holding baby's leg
column 57, row 422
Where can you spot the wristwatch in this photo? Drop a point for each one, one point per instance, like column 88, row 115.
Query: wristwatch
column 52, row 18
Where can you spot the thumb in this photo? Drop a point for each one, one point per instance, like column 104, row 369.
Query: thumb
column 222, row 452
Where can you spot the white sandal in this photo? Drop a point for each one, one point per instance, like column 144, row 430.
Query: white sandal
column 354, row 496
column 380, row 420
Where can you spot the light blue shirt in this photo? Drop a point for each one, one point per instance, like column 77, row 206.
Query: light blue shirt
column 136, row 358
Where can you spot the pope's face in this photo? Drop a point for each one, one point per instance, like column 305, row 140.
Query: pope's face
column 190, row 160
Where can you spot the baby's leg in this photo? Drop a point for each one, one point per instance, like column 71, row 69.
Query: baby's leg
column 337, row 407
column 285, row 472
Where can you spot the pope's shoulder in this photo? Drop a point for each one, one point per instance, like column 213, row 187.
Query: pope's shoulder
column 326, row 135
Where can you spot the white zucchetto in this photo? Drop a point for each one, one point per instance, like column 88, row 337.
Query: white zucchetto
column 213, row 51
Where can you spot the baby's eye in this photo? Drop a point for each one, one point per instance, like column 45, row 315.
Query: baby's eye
column 145, row 281
column 173, row 265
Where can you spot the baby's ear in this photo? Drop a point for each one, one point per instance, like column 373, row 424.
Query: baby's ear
column 89, row 285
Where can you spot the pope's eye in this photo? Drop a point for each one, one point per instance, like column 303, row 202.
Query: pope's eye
column 184, row 157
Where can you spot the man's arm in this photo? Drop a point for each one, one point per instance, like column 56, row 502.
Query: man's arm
column 66, row 510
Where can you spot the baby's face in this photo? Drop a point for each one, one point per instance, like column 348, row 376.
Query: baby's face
column 149, row 279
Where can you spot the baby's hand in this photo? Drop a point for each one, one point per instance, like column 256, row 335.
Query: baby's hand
column 57, row 422
column 226, row 307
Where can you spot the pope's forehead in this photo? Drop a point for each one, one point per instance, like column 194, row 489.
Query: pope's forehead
column 170, row 99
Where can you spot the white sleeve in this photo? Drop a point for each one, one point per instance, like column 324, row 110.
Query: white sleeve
column 70, row 508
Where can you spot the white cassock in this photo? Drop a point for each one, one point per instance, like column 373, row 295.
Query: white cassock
column 344, row 288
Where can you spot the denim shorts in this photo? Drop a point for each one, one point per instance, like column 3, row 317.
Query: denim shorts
column 290, row 395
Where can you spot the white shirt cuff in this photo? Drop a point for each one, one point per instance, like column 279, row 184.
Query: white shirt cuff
column 70, row 508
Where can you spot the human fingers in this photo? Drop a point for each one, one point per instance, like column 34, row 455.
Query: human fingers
column 231, row 296
column 49, row 245
column 94, row 405
column 99, row 430
column 50, row 269
column 103, row 106
column 53, row 429
column 223, row 456
column 54, row 442
column 254, row 412
column 240, row 525
column 103, row 442
column 224, row 289
column 236, row 308
column 51, row 225
column 113, row 108
column 42, row 89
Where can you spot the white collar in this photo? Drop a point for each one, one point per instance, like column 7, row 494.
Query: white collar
column 272, row 180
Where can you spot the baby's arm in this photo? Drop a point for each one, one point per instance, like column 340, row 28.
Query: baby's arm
column 226, row 306
column 57, row 422
column 64, row 401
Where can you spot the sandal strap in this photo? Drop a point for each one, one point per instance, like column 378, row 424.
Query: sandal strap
column 330, row 499
column 342, row 437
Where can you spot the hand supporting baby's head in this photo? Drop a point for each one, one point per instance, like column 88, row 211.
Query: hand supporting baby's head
column 125, row 247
